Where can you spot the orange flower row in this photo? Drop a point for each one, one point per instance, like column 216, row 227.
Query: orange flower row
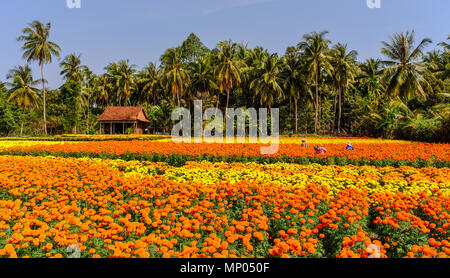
column 397, row 151
column 47, row 205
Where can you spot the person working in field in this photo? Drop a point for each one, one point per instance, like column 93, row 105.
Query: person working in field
column 349, row 147
column 304, row 144
column 320, row 150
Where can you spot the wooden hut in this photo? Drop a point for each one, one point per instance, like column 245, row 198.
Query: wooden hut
column 120, row 119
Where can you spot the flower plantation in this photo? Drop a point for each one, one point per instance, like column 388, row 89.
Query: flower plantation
column 125, row 208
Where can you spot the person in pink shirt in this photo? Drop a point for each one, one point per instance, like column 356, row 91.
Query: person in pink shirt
column 320, row 150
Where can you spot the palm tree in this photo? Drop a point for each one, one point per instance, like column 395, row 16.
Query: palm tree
column 72, row 68
column 175, row 78
column 88, row 92
column 148, row 81
column 295, row 78
column 445, row 45
column 344, row 71
column 37, row 47
column 101, row 90
column 316, row 52
column 269, row 83
column 370, row 77
column 22, row 90
column 202, row 79
column 438, row 64
column 253, row 62
column 228, row 68
column 404, row 72
column 121, row 75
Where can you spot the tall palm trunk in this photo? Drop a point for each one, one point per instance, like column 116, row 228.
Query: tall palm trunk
column 21, row 128
column 88, row 115
column 43, row 99
column 178, row 98
column 335, row 112
column 340, row 110
column 316, row 121
column 228, row 101
column 296, row 115
column 290, row 107
column 179, row 106
column 217, row 105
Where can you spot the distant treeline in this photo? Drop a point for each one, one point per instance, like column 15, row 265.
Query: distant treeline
column 320, row 87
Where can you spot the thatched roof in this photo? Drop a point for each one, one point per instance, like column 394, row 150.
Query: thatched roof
column 124, row 114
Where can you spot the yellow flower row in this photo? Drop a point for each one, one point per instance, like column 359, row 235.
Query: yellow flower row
column 406, row 180
column 26, row 143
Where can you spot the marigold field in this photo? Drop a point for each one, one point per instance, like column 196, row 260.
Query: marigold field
column 153, row 198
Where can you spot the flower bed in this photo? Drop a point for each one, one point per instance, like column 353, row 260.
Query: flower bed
column 46, row 204
column 378, row 154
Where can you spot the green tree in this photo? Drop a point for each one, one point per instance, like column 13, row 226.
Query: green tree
column 122, row 78
column 149, row 84
column 445, row 45
column 295, row 79
column 70, row 101
column 253, row 60
column 9, row 113
column 405, row 70
column 38, row 47
column 101, row 89
column 202, row 78
column 23, row 91
column 317, row 57
column 227, row 68
column 175, row 77
column 343, row 74
column 370, row 78
column 389, row 117
column 193, row 49
column 268, row 85
column 72, row 68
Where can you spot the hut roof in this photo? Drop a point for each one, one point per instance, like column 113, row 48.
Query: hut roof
column 124, row 114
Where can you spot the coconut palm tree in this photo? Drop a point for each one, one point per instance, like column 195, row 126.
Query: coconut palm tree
column 370, row 77
column 317, row 56
column 253, row 62
column 228, row 67
column 88, row 92
column 295, row 79
column 175, row 77
column 121, row 75
column 268, row 84
column 38, row 47
column 202, row 78
column 72, row 68
column 445, row 45
column 344, row 70
column 438, row 64
column 405, row 70
column 22, row 89
column 101, row 90
column 148, row 81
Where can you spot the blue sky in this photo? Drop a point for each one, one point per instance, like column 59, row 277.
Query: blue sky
column 104, row 31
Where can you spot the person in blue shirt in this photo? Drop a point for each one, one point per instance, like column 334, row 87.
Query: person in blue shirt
column 349, row 147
